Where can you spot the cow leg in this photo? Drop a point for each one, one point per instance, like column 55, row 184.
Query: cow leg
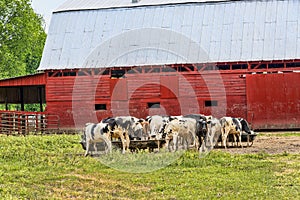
column 186, row 143
column 108, row 144
column 95, row 147
column 106, row 147
column 189, row 141
column 123, row 142
column 197, row 142
column 87, row 148
column 167, row 144
column 224, row 139
column 210, row 139
column 127, row 140
column 175, row 142
column 248, row 140
column 240, row 139
column 234, row 143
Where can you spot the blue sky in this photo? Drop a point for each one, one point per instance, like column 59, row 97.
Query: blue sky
column 45, row 8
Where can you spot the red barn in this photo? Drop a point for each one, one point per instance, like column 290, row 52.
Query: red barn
column 173, row 57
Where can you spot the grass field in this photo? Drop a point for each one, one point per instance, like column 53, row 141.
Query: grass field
column 49, row 167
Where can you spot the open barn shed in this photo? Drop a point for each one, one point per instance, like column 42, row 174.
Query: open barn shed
column 124, row 57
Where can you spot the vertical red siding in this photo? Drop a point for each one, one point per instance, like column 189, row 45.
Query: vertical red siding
column 258, row 98
column 273, row 100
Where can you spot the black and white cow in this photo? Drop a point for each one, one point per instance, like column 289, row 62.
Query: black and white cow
column 201, row 129
column 157, row 125
column 231, row 126
column 246, row 129
column 93, row 134
column 213, row 133
column 132, row 125
column 245, row 126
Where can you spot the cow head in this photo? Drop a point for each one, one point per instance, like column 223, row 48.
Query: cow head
column 83, row 141
column 203, row 124
column 245, row 126
column 138, row 131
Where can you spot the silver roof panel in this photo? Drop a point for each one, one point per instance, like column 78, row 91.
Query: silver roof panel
column 70, row 5
column 182, row 33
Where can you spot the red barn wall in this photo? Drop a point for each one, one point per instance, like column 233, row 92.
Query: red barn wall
column 273, row 100
column 73, row 98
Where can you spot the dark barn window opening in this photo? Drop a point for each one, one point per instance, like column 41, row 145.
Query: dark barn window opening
column 58, row 74
column 293, row 64
column 276, row 65
column 100, row 107
column 71, row 73
column 153, row 105
column 223, row 67
column 211, row 103
column 242, row 66
column 118, row 73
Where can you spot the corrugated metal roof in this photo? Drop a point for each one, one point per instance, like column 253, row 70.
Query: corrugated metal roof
column 182, row 33
column 103, row 4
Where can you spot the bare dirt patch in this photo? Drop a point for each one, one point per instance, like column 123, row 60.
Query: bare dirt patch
column 271, row 143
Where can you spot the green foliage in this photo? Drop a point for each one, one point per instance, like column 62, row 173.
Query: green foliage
column 22, row 38
column 27, row 107
column 50, row 167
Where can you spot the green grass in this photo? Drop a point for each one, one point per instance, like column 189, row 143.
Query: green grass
column 49, row 167
column 280, row 134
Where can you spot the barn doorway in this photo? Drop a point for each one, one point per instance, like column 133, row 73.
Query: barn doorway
column 273, row 100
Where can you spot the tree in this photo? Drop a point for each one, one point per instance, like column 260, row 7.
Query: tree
column 22, row 38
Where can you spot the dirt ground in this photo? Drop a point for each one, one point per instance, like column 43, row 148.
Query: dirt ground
column 271, row 143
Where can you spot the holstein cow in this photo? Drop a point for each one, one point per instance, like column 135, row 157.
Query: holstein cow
column 130, row 124
column 134, row 126
column 146, row 129
column 231, row 126
column 245, row 128
column 116, row 131
column 213, row 133
column 94, row 133
column 157, row 125
column 201, row 128
column 184, row 129
column 126, row 128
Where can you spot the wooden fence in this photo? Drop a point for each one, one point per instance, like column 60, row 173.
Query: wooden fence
column 16, row 122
